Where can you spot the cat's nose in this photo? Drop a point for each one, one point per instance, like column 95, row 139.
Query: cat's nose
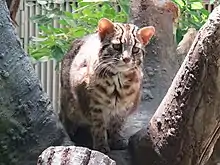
column 126, row 59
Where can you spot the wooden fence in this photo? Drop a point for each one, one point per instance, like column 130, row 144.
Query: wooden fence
column 45, row 70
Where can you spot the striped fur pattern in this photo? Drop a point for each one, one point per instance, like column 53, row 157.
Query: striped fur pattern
column 101, row 81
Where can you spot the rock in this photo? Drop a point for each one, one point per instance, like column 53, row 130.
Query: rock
column 72, row 155
column 122, row 157
column 140, row 146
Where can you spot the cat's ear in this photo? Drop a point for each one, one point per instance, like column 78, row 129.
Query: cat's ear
column 144, row 34
column 105, row 26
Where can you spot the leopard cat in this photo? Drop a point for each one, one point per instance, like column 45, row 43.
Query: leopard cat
column 101, row 77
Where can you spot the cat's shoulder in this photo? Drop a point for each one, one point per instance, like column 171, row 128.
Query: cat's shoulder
column 78, row 43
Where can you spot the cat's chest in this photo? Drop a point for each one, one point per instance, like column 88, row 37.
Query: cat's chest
column 119, row 86
column 118, row 92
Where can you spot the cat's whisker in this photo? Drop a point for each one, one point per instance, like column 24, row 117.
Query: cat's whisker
column 103, row 64
column 104, row 68
column 107, row 69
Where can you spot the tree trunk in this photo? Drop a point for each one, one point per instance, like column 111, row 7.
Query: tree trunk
column 185, row 127
column 184, row 45
column 13, row 6
column 161, row 63
column 28, row 124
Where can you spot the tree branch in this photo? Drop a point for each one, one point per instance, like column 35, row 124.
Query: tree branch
column 185, row 44
column 160, row 62
column 28, row 124
column 13, row 6
column 185, row 127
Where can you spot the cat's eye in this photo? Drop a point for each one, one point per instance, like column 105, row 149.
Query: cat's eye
column 117, row 47
column 135, row 50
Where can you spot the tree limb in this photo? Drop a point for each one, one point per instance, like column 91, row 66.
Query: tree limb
column 185, row 44
column 186, row 125
column 13, row 6
column 28, row 124
column 160, row 62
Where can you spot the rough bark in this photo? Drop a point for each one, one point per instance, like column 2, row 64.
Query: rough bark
column 215, row 158
column 160, row 63
column 13, row 6
column 72, row 155
column 185, row 44
column 28, row 124
column 185, row 127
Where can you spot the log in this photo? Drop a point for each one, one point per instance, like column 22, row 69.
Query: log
column 160, row 62
column 185, row 44
column 186, row 125
column 28, row 124
column 71, row 155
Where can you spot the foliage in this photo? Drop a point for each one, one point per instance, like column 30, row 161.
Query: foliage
column 53, row 41
column 193, row 14
column 214, row 2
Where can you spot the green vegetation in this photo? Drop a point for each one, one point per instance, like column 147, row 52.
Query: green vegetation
column 53, row 42
column 193, row 14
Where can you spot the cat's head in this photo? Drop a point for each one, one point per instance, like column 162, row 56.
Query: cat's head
column 123, row 44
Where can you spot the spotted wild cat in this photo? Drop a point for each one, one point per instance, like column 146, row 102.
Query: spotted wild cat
column 101, row 79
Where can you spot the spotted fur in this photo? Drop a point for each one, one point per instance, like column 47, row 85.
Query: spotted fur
column 101, row 81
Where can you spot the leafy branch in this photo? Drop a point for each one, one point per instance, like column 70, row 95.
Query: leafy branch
column 53, row 42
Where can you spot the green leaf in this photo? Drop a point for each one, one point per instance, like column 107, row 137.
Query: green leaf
column 42, row 2
column 57, row 52
column 63, row 22
column 205, row 12
column 44, row 58
column 54, row 42
column 79, row 32
column 39, row 53
column 197, row 5
column 38, row 39
column 68, row 14
column 37, row 17
column 42, row 20
column 45, row 29
column 211, row 1
column 124, row 4
column 179, row 2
